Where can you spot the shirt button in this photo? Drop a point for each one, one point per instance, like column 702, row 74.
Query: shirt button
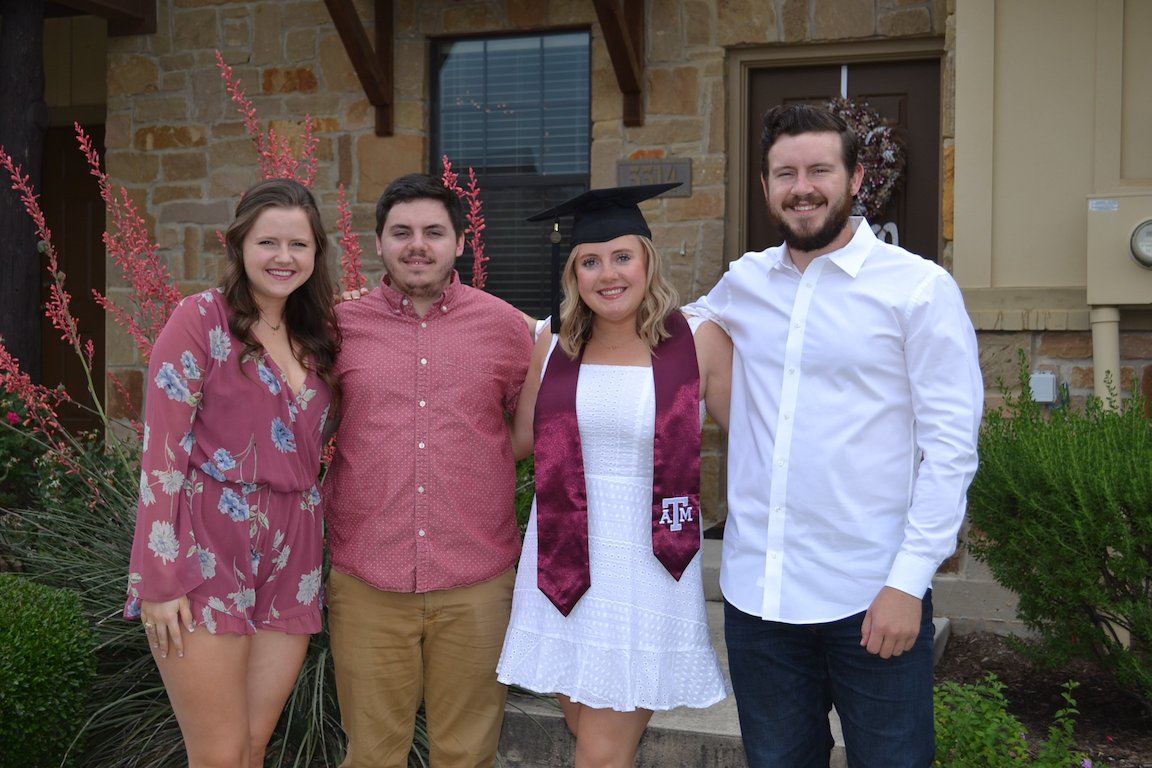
column 423, row 361
column 421, row 532
column 423, row 324
column 422, row 403
column 780, row 463
column 791, row 371
column 404, row 302
column 419, row 489
column 443, row 308
column 778, row 510
column 420, row 444
column 795, row 325
column 787, row 416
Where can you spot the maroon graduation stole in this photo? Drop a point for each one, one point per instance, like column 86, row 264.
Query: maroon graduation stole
column 561, row 495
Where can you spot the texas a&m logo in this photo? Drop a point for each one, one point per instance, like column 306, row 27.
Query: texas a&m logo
column 675, row 511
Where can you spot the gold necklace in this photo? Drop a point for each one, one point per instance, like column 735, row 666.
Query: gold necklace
column 618, row 345
column 273, row 327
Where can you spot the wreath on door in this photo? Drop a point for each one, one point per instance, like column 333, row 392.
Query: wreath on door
column 881, row 154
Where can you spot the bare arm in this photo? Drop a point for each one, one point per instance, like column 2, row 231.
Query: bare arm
column 714, row 358
column 524, row 418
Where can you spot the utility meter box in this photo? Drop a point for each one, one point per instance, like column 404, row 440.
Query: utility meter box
column 1115, row 276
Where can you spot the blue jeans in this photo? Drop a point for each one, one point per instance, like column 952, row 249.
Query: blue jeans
column 787, row 677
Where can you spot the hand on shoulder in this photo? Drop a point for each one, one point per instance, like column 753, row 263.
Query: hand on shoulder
column 352, row 295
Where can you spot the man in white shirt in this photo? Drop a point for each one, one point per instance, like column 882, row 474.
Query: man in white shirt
column 856, row 403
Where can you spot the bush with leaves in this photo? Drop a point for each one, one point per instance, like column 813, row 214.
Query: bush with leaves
column 974, row 729
column 18, row 455
column 1061, row 510
column 46, row 667
column 66, row 541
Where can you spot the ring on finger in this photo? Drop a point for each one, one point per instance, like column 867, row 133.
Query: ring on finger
column 149, row 626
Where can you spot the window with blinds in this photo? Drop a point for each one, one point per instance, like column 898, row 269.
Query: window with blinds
column 516, row 109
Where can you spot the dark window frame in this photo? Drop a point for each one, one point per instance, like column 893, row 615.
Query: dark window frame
column 518, row 251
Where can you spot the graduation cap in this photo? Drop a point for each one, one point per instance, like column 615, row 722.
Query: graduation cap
column 598, row 215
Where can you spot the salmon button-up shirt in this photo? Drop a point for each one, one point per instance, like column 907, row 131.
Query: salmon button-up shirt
column 421, row 491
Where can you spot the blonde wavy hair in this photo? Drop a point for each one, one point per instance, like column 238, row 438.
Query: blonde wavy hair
column 660, row 299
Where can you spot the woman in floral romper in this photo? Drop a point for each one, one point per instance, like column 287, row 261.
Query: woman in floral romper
column 225, row 572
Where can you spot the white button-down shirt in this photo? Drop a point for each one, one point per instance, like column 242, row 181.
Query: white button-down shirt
column 856, row 404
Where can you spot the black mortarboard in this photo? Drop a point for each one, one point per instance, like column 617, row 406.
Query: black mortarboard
column 598, row 215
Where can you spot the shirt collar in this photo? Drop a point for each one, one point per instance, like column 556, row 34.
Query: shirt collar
column 399, row 302
column 850, row 258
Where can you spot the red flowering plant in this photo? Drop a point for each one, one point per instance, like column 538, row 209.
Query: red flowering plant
column 18, row 455
column 129, row 247
column 470, row 195
column 72, row 527
column 277, row 160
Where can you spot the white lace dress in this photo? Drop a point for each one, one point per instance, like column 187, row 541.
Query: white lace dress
column 638, row 638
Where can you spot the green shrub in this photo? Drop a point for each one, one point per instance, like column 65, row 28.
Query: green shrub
column 19, row 452
column 525, row 490
column 974, row 729
column 46, row 667
column 1061, row 509
column 77, row 535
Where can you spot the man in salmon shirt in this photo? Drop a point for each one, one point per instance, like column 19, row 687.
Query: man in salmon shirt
column 421, row 493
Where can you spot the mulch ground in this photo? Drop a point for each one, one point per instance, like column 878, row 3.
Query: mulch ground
column 1113, row 728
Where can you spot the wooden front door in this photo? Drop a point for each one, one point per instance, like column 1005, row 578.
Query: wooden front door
column 907, row 95
column 74, row 212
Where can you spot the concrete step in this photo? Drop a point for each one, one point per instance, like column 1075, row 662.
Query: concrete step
column 535, row 735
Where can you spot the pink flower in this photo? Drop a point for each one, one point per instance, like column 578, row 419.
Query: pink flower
column 154, row 294
column 274, row 152
column 353, row 279
column 475, row 216
column 13, row 418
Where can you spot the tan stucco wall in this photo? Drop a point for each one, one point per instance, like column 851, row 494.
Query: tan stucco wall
column 1051, row 109
column 1052, row 112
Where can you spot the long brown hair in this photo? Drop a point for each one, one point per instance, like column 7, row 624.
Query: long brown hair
column 309, row 314
column 660, row 298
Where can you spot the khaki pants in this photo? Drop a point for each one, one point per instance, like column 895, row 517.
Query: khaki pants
column 393, row 650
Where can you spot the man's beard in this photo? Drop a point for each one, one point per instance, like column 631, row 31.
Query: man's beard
column 814, row 241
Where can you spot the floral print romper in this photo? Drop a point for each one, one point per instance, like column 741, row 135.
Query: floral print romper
column 229, row 511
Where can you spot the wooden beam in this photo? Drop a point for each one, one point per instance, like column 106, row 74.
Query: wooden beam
column 373, row 66
column 125, row 17
column 622, row 23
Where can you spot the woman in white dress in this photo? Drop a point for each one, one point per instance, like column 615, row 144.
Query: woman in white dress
column 608, row 611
